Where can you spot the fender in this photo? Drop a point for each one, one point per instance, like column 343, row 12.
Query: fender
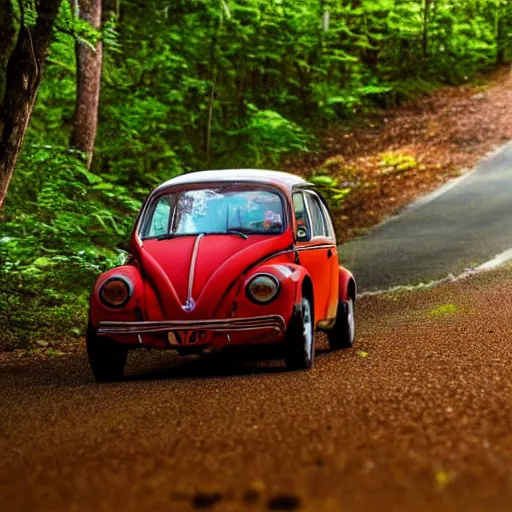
column 290, row 277
column 132, row 311
column 304, row 281
column 348, row 286
column 298, row 275
column 290, row 274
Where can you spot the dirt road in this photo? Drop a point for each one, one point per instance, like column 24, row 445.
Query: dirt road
column 417, row 417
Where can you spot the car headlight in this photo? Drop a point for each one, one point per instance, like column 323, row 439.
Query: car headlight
column 115, row 292
column 262, row 288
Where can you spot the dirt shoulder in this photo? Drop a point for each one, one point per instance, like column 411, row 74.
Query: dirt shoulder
column 395, row 155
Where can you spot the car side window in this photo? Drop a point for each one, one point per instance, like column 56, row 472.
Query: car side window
column 299, row 207
column 159, row 224
column 318, row 222
column 330, row 226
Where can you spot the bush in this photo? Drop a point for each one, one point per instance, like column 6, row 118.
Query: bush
column 58, row 233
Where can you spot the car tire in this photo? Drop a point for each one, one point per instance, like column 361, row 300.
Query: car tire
column 300, row 337
column 342, row 335
column 107, row 358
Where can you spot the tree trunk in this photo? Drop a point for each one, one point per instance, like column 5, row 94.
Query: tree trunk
column 88, row 75
column 426, row 18
column 20, row 81
column 10, row 23
column 500, row 39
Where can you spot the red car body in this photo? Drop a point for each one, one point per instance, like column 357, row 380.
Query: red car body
column 192, row 290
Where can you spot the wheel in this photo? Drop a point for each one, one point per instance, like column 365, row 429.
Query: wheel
column 107, row 358
column 300, row 340
column 342, row 334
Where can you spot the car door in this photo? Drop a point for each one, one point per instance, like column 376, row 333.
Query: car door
column 334, row 263
column 317, row 251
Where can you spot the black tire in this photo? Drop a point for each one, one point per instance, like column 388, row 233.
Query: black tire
column 300, row 338
column 342, row 335
column 107, row 358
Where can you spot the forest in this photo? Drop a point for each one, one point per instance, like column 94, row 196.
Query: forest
column 127, row 94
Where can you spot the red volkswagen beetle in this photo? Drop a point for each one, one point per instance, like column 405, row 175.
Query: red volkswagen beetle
column 224, row 258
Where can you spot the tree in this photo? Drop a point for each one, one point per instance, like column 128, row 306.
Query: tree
column 88, row 74
column 503, row 36
column 23, row 52
column 427, row 6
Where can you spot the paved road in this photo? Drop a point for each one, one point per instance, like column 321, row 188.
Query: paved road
column 465, row 226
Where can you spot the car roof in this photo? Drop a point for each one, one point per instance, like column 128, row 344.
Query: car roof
column 283, row 179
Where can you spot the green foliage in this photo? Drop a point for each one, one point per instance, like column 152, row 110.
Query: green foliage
column 395, row 163
column 80, row 29
column 329, row 188
column 192, row 84
column 57, row 236
column 264, row 140
column 443, row 310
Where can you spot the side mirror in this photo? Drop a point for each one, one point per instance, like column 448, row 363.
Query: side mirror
column 303, row 234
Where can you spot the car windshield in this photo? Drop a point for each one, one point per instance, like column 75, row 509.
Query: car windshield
column 227, row 209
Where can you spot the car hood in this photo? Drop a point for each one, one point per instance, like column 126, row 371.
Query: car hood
column 206, row 265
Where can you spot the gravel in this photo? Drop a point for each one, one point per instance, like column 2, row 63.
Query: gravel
column 422, row 422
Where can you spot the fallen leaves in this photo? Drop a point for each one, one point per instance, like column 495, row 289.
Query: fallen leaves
column 437, row 136
column 54, row 352
column 41, row 349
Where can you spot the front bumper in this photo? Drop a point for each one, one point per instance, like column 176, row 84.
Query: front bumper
column 274, row 323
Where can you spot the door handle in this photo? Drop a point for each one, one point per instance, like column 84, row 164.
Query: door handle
column 329, row 253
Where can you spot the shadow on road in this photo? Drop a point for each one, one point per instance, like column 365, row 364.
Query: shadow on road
column 222, row 364
column 218, row 365
column 73, row 371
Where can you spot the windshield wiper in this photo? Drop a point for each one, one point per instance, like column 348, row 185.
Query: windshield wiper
column 237, row 231
column 167, row 237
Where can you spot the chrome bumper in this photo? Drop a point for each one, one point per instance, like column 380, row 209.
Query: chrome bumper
column 224, row 325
